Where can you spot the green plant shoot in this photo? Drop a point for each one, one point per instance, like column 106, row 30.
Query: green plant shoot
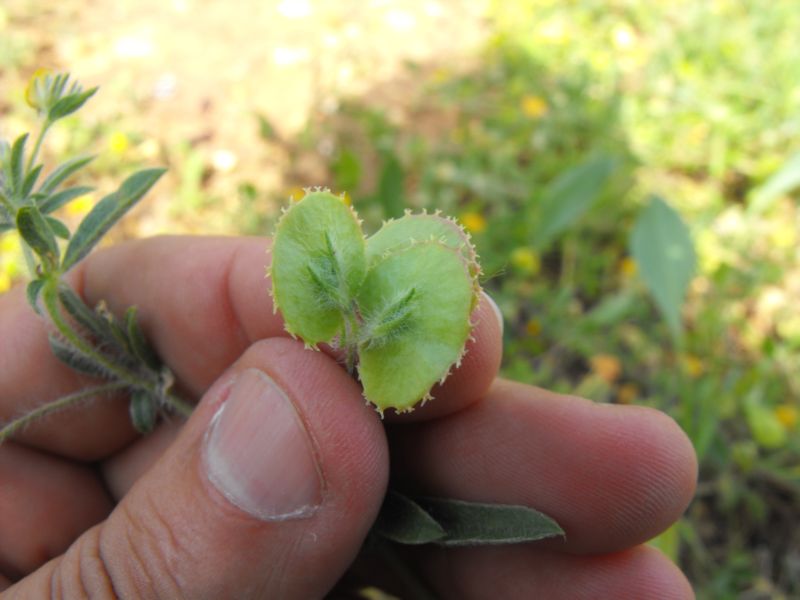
column 397, row 304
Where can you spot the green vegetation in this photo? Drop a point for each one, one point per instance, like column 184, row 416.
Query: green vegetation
column 629, row 172
column 626, row 172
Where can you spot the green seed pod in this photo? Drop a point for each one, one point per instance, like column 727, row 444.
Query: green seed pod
column 399, row 305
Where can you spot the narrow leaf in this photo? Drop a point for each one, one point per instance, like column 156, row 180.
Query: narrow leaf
column 664, row 252
column 404, row 521
column 114, row 327
column 138, row 342
column 107, row 212
column 568, row 197
column 144, row 411
column 35, row 230
column 75, row 359
column 475, row 524
column 57, row 227
column 16, row 163
column 390, row 188
column 30, row 181
column 781, row 183
column 89, row 320
column 64, row 171
column 55, row 201
column 69, row 104
column 32, row 293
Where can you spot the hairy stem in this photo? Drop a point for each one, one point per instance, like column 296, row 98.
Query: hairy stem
column 49, row 296
column 17, row 425
column 178, row 405
column 38, row 145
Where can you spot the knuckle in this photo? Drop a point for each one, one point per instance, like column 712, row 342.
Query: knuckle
column 134, row 555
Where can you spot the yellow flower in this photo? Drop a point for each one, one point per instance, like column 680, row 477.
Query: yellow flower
column 296, row 194
column 118, row 142
column 627, row 393
column 474, row 222
column 9, row 243
column 606, row 366
column 627, row 267
column 788, row 415
column 533, row 327
column 35, row 84
column 534, row 106
column 693, row 366
column 525, row 260
column 80, row 206
column 5, row 282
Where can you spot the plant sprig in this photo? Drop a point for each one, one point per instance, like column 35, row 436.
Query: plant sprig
column 90, row 340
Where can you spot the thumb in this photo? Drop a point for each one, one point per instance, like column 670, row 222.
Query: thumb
column 268, row 492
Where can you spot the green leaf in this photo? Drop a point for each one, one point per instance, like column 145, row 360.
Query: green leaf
column 476, row 524
column 30, row 181
column 400, row 371
column 138, row 342
column 144, row 411
column 346, row 170
column 75, row 359
column 58, row 228
column 766, row 428
column 781, row 183
column 32, row 293
column 93, row 323
column 55, row 201
column 390, row 187
column 35, row 230
column 403, row 521
column 16, row 164
column 69, row 104
column 318, row 265
column 568, row 197
column 106, row 213
column 663, row 250
column 63, row 172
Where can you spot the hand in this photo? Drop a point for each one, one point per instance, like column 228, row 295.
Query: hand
column 270, row 487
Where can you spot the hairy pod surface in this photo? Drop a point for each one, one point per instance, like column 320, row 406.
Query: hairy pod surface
column 399, row 302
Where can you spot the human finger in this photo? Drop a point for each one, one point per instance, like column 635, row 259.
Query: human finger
column 611, row 476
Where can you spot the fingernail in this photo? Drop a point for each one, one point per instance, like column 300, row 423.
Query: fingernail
column 258, row 453
column 496, row 310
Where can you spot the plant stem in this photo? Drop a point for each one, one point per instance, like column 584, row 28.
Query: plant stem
column 38, row 145
column 49, row 296
column 51, row 407
column 184, row 409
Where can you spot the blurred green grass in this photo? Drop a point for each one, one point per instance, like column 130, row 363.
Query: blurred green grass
column 549, row 147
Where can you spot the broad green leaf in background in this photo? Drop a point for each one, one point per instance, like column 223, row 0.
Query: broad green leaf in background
column 347, row 170
column 782, row 182
column 767, row 430
column 390, row 187
column 664, row 252
column 569, row 197
column 107, row 212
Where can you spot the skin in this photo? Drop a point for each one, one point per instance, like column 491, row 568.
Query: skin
column 94, row 509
